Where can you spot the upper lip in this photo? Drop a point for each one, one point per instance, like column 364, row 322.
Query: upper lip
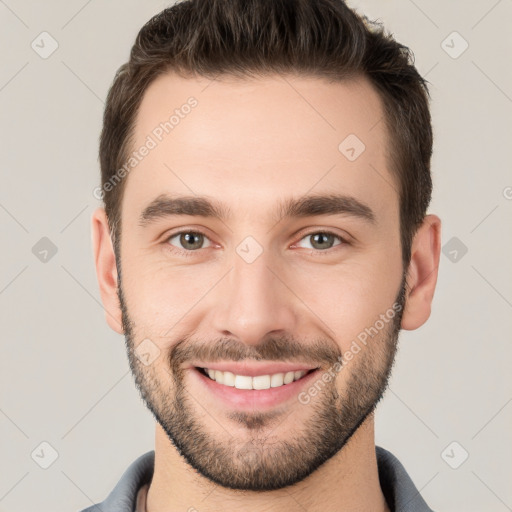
column 253, row 369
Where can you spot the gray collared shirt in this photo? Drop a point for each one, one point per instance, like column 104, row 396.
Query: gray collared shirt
column 397, row 486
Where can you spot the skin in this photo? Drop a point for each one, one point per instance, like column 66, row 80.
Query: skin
column 249, row 144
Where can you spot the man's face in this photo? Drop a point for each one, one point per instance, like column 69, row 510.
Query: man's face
column 258, row 292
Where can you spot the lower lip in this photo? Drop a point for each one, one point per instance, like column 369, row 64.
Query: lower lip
column 250, row 399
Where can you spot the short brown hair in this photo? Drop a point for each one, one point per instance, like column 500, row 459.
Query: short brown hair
column 246, row 38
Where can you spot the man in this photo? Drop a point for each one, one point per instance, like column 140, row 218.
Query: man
column 265, row 174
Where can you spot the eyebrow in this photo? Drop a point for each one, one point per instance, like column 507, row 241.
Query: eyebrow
column 332, row 204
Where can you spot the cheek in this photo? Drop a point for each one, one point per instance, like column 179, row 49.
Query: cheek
column 160, row 298
column 349, row 298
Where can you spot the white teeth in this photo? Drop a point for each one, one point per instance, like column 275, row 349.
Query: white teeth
column 288, row 377
column 277, row 380
column 241, row 381
column 259, row 382
column 219, row 376
column 229, row 379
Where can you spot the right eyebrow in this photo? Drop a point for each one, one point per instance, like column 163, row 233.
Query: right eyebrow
column 165, row 206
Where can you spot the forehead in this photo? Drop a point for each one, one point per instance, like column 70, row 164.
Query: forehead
column 241, row 138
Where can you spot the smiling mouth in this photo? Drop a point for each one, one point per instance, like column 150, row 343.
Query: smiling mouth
column 258, row 382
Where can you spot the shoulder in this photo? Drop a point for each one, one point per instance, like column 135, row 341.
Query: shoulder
column 397, row 486
column 124, row 495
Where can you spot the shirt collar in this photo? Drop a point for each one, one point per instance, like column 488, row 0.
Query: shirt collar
column 398, row 488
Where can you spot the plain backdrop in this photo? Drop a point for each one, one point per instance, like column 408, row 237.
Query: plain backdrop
column 67, row 397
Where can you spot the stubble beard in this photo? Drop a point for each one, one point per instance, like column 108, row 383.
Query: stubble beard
column 263, row 460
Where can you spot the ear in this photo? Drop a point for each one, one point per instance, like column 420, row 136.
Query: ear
column 422, row 273
column 106, row 269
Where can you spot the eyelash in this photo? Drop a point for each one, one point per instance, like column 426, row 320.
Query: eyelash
column 316, row 252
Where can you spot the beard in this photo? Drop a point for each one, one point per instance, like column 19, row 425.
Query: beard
column 258, row 461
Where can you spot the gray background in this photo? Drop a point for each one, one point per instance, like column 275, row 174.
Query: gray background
column 64, row 375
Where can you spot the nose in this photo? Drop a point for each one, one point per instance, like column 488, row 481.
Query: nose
column 254, row 301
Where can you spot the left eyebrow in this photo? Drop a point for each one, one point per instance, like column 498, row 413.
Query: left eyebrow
column 332, row 204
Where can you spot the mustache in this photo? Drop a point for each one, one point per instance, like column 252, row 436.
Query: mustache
column 280, row 348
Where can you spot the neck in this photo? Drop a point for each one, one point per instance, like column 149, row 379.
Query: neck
column 348, row 481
